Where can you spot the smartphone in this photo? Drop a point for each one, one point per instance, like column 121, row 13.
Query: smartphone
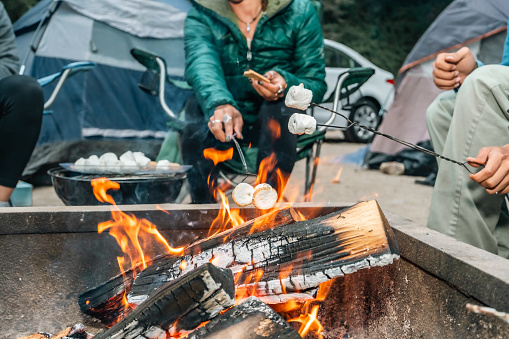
column 255, row 76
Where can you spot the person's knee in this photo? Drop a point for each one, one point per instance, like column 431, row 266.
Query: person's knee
column 25, row 89
column 484, row 79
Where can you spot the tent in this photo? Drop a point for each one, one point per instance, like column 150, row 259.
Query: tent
column 478, row 24
column 106, row 102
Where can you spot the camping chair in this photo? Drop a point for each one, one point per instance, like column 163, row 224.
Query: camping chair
column 65, row 73
column 308, row 146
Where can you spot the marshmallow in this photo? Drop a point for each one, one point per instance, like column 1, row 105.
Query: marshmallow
column 129, row 163
column 163, row 164
column 92, row 160
column 243, row 194
column 301, row 123
column 264, row 197
column 298, row 97
column 127, row 156
column 80, row 163
column 108, row 158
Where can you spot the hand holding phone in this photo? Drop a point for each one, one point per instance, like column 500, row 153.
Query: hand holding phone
column 255, row 76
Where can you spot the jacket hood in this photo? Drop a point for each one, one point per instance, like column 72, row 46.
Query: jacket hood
column 222, row 7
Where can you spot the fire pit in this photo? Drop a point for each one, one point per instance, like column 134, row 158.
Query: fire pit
column 75, row 189
column 52, row 256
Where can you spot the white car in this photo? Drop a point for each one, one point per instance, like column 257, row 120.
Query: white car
column 369, row 103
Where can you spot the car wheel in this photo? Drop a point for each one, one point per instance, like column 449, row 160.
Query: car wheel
column 365, row 113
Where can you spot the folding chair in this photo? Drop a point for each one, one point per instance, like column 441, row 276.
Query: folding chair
column 308, row 146
column 65, row 73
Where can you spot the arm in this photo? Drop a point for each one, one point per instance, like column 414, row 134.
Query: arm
column 205, row 74
column 203, row 68
column 309, row 56
column 9, row 60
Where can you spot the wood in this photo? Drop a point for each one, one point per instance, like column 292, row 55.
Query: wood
column 252, row 319
column 104, row 302
column 310, row 252
column 179, row 305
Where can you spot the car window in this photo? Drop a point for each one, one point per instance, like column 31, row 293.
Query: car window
column 335, row 58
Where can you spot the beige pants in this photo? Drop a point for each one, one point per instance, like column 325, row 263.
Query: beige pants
column 460, row 125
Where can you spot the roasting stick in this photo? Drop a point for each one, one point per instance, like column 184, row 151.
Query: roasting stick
column 300, row 98
column 403, row 142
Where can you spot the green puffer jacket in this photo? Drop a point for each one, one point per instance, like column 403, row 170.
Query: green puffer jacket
column 288, row 39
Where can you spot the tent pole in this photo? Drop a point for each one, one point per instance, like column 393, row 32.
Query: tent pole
column 39, row 32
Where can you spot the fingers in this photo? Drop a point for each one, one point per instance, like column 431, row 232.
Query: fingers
column 224, row 121
column 445, row 74
column 271, row 91
column 495, row 174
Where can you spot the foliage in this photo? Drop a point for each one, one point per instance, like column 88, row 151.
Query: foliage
column 16, row 8
column 384, row 31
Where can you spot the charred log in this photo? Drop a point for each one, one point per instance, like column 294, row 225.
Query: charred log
column 252, row 319
column 310, row 252
column 104, row 302
column 180, row 305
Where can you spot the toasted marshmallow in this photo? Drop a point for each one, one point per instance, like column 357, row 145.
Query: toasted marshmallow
column 301, row 123
column 298, row 97
column 264, row 197
column 243, row 194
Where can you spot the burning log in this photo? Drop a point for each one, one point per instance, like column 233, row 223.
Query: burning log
column 104, row 302
column 74, row 332
column 252, row 319
column 180, row 305
column 275, row 262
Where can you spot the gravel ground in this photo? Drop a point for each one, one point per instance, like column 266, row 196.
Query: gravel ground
column 397, row 194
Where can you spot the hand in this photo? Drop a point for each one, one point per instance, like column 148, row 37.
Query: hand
column 495, row 174
column 271, row 91
column 223, row 128
column 451, row 69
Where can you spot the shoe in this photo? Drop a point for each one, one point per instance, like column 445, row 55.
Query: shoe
column 392, row 168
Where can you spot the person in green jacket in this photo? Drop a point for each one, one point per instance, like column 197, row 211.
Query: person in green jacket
column 281, row 39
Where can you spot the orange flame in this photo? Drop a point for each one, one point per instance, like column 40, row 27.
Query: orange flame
column 338, row 175
column 134, row 236
column 225, row 217
column 218, row 156
column 309, row 319
column 275, row 129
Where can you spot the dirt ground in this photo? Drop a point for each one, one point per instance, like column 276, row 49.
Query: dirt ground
column 397, row 194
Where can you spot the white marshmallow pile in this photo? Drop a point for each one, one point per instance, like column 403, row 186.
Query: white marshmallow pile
column 263, row 196
column 128, row 160
column 301, row 123
column 298, row 97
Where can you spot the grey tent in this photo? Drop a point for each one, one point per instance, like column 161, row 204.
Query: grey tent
column 478, row 24
column 105, row 103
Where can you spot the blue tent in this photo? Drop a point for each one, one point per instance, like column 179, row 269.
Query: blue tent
column 105, row 102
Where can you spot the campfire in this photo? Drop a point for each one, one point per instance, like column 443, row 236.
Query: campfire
column 264, row 277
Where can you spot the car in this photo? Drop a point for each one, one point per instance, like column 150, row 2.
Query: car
column 368, row 104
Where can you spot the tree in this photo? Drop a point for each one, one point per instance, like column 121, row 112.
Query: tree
column 16, row 8
column 384, row 31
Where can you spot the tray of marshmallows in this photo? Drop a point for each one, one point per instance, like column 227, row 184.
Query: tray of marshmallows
column 128, row 163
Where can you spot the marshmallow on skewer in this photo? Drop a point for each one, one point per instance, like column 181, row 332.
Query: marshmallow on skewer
column 264, row 197
column 298, row 97
column 301, row 123
column 243, row 194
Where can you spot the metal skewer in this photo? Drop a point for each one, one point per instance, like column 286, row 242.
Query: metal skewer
column 403, row 142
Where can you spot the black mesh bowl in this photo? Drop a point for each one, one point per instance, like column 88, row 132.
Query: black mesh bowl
column 75, row 189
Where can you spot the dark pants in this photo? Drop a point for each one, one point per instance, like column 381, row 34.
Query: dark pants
column 21, row 106
column 197, row 137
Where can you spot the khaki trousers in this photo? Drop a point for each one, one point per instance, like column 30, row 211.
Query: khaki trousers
column 460, row 124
